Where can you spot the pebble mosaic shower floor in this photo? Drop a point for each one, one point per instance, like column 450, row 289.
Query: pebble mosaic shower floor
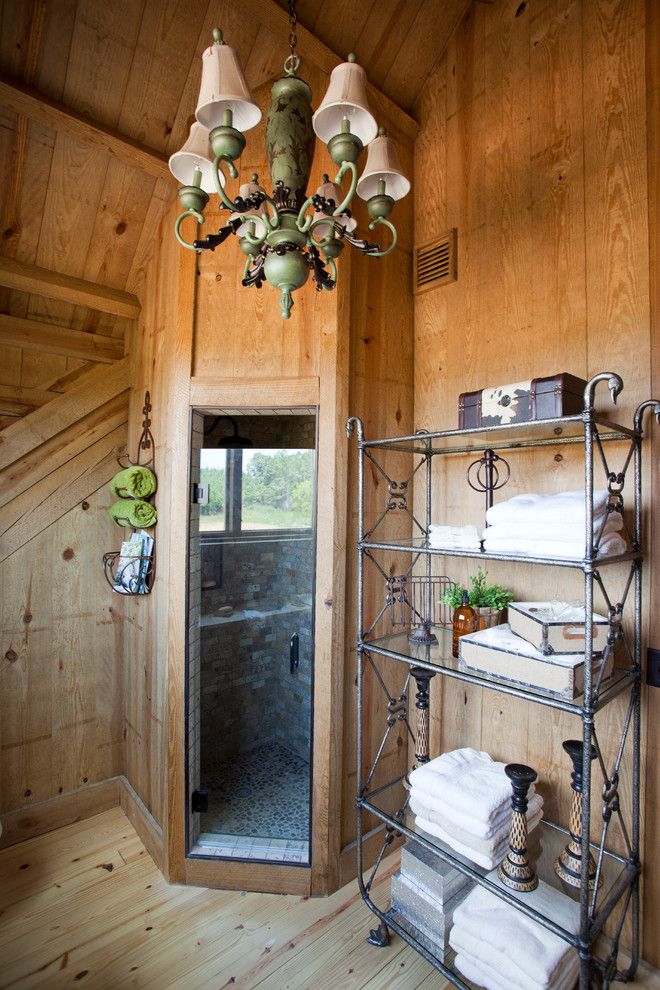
column 258, row 807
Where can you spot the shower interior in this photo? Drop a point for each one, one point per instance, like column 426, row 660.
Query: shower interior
column 252, row 550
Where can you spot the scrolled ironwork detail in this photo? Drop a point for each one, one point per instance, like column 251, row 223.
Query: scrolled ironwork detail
column 397, row 498
column 614, row 383
column 610, row 797
column 653, row 404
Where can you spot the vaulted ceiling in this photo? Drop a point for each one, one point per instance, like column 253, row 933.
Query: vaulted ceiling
column 94, row 97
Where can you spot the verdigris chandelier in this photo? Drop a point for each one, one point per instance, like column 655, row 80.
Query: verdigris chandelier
column 288, row 234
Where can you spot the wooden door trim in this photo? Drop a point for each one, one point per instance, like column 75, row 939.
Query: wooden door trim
column 329, row 395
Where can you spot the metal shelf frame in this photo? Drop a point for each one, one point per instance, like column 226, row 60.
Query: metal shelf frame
column 591, row 430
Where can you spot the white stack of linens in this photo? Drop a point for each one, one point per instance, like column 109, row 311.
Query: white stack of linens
column 454, row 537
column 463, row 798
column 551, row 526
column 500, row 948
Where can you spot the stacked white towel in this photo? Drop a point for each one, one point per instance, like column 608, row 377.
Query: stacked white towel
column 454, row 537
column 551, row 526
column 501, row 949
column 463, row 798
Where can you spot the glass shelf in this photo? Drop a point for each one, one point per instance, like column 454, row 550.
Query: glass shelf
column 439, row 659
column 568, row 429
column 418, row 545
column 553, row 904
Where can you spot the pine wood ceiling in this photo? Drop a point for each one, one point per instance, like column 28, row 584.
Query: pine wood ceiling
column 133, row 66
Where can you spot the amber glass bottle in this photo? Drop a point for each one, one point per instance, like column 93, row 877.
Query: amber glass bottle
column 465, row 621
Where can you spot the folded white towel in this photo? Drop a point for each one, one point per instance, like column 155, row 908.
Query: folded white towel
column 468, row 781
column 488, row 857
column 610, row 546
column 488, row 929
column 484, row 975
column 550, row 531
column 566, row 508
column 454, row 537
column 488, row 861
column 485, row 844
column 456, row 819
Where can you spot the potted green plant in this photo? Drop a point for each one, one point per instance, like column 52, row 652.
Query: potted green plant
column 489, row 601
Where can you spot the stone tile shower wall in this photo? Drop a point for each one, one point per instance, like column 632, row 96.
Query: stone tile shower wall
column 248, row 694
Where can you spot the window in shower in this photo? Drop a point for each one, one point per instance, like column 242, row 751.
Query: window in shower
column 252, row 549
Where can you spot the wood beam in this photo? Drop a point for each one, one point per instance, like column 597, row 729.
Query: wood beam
column 227, row 393
column 54, row 285
column 42, row 505
column 38, row 463
column 276, row 20
column 45, row 337
column 28, row 102
column 98, row 386
column 22, row 400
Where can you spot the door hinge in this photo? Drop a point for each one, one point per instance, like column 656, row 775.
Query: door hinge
column 200, row 494
column 199, row 800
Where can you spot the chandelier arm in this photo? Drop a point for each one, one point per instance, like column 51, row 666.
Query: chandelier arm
column 352, row 168
column 177, row 227
column 317, row 223
column 304, row 223
column 333, row 269
column 395, row 237
column 219, row 187
column 274, row 220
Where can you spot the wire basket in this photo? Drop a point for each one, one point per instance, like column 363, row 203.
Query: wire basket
column 415, row 598
column 129, row 575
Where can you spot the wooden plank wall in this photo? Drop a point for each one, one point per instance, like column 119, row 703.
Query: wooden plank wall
column 533, row 145
column 61, row 645
column 381, row 394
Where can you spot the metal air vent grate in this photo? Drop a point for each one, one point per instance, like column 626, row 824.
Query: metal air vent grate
column 435, row 262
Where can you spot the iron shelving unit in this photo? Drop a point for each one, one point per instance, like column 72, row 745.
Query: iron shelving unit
column 618, row 875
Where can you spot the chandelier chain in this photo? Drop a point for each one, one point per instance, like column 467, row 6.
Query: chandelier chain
column 293, row 20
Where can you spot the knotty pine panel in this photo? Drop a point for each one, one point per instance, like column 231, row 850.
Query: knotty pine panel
column 60, row 662
column 536, row 117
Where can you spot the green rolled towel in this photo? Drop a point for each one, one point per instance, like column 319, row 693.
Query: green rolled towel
column 134, row 482
column 133, row 512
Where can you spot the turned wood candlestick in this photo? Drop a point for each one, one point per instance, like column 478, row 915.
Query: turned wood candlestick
column 515, row 871
column 422, row 734
column 568, row 866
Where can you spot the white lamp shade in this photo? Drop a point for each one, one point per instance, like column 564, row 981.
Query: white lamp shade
column 195, row 153
column 259, row 225
column 245, row 191
column 223, row 88
column 346, row 97
column 324, row 229
column 383, row 163
column 330, row 190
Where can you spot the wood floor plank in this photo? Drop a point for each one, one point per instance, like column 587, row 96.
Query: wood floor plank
column 66, row 920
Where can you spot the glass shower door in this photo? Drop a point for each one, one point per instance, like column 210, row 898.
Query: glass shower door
column 256, row 554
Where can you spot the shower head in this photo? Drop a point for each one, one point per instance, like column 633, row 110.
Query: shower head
column 232, row 442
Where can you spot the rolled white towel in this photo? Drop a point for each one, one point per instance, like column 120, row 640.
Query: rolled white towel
column 565, row 508
column 487, row 857
column 484, row 975
column 610, row 546
column 467, row 780
column 488, row 929
column 485, row 844
column 454, row 537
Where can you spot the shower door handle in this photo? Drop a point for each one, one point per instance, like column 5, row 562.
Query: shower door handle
column 294, row 653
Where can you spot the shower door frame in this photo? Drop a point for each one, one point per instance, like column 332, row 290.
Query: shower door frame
column 322, row 876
